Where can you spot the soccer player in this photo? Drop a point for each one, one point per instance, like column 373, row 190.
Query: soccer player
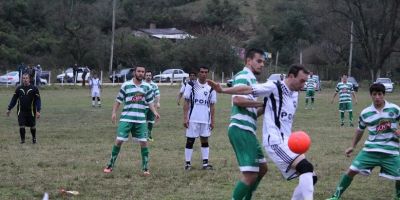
column 156, row 95
column 198, row 116
column 28, row 109
column 382, row 146
column 135, row 94
column 95, row 88
column 345, row 90
column 281, row 100
column 311, row 85
column 192, row 77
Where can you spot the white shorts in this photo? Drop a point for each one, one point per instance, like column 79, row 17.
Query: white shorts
column 198, row 129
column 95, row 93
column 283, row 158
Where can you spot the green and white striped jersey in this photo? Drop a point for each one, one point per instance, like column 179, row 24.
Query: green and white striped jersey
column 381, row 126
column 345, row 91
column 311, row 84
column 154, row 87
column 135, row 99
column 244, row 118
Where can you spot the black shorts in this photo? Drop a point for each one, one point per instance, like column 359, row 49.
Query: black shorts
column 26, row 119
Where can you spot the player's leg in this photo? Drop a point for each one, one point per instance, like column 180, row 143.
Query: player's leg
column 124, row 128
column 307, row 97
column 350, row 109
column 93, row 101
column 261, row 173
column 98, row 98
column 140, row 133
column 21, row 123
column 31, row 122
column 191, row 135
column 390, row 169
column 205, row 133
column 341, row 111
column 150, row 118
column 307, row 178
column 312, row 99
column 244, row 144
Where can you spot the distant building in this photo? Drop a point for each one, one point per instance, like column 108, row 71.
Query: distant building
column 159, row 33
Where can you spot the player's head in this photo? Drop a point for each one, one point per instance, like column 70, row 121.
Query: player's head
column 192, row 76
column 344, row 78
column 255, row 60
column 203, row 73
column 296, row 77
column 26, row 79
column 148, row 76
column 377, row 92
column 139, row 73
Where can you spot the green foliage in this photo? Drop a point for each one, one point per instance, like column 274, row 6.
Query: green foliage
column 221, row 13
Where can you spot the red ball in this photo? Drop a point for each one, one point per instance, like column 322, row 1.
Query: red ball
column 299, row 142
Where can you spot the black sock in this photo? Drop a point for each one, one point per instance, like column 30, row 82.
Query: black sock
column 187, row 162
column 205, row 161
column 22, row 134
column 33, row 132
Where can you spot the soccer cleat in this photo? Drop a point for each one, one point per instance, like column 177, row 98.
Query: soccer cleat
column 333, row 198
column 146, row 172
column 188, row 167
column 208, row 167
column 351, row 125
column 33, row 140
column 107, row 170
column 342, row 124
column 150, row 139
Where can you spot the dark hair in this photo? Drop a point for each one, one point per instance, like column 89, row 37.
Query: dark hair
column 26, row 74
column 251, row 52
column 377, row 87
column 148, row 71
column 296, row 68
column 192, row 72
column 204, row 67
column 135, row 68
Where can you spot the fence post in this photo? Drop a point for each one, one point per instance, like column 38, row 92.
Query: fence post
column 35, row 84
column 7, row 78
column 101, row 76
column 125, row 77
column 159, row 80
column 222, row 80
column 62, row 78
column 48, row 81
column 113, row 80
column 212, row 75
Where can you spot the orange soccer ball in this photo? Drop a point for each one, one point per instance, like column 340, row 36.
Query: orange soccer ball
column 299, row 142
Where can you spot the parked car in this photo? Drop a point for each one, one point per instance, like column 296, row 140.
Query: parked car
column 354, row 82
column 122, row 75
column 171, row 75
column 274, row 77
column 68, row 75
column 12, row 78
column 316, row 77
column 387, row 83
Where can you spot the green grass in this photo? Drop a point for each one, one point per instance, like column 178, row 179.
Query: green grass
column 75, row 140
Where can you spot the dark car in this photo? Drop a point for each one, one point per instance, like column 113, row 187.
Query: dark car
column 122, row 75
column 45, row 75
column 353, row 81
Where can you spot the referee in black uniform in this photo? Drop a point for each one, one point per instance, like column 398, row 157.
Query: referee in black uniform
column 28, row 109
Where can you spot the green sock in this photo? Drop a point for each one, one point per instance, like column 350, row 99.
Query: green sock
column 344, row 182
column 149, row 129
column 145, row 158
column 240, row 191
column 306, row 102
column 398, row 189
column 351, row 116
column 114, row 155
column 342, row 117
column 253, row 188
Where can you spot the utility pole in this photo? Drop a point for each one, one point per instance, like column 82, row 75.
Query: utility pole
column 351, row 48
column 301, row 57
column 276, row 61
column 112, row 37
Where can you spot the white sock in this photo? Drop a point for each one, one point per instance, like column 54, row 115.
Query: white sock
column 188, row 154
column 297, row 195
column 205, row 151
column 306, row 185
column 99, row 102
column 93, row 103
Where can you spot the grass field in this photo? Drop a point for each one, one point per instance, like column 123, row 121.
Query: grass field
column 75, row 140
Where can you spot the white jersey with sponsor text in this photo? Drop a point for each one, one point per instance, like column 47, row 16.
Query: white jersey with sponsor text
column 281, row 104
column 95, row 84
column 200, row 97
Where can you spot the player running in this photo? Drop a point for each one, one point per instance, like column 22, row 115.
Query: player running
column 281, row 100
column 135, row 94
column 381, row 149
column 150, row 117
column 95, row 88
column 311, row 86
column 198, row 116
column 345, row 90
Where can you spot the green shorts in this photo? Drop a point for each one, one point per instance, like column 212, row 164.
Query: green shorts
column 150, row 117
column 138, row 130
column 345, row 107
column 366, row 161
column 310, row 93
column 248, row 151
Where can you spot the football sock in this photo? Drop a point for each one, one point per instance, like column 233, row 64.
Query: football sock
column 306, row 102
column 93, row 103
column 351, row 116
column 145, row 158
column 22, row 134
column 297, row 195
column 342, row 117
column 114, row 155
column 149, row 128
column 253, row 188
column 306, row 185
column 205, row 152
column 240, row 191
column 33, row 132
column 398, row 189
column 344, row 182
column 312, row 100
column 188, row 154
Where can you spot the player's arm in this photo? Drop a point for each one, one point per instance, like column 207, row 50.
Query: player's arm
column 185, row 113
column 355, row 97
column 244, row 102
column 333, row 98
column 180, row 94
column 356, row 138
column 212, row 110
column 38, row 103
column 13, row 102
column 154, row 110
column 114, row 111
